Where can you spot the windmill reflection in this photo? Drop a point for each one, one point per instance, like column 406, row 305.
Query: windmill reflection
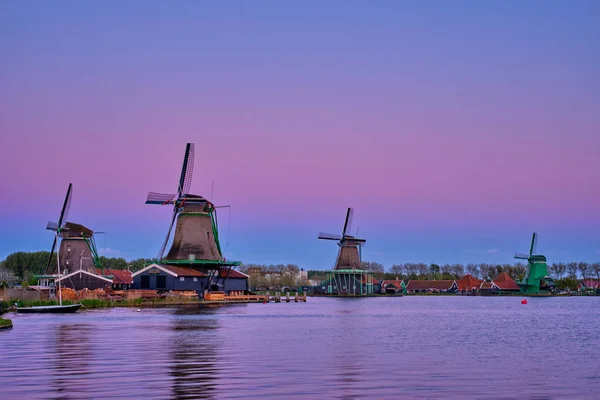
column 194, row 350
column 72, row 356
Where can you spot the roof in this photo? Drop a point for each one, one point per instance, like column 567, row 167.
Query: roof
column 486, row 285
column 182, row 271
column 394, row 282
column 365, row 280
column 119, row 276
column 171, row 270
column 590, row 283
column 504, row 282
column 77, row 230
column 443, row 284
column 232, row 274
column 83, row 271
column 468, row 282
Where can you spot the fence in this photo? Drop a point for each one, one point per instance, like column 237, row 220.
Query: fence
column 20, row 294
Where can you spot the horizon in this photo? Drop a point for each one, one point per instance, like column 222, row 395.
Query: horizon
column 454, row 132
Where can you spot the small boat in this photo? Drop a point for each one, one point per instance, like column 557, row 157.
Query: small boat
column 60, row 309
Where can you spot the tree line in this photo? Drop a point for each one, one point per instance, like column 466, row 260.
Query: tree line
column 24, row 265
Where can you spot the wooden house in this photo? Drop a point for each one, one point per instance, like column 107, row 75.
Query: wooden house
column 422, row 286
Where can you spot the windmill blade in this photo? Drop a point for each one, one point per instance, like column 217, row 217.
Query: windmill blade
column 160, row 198
column 533, row 248
column 329, row 236
column 52, row 226
column 347, row 222
column 51, row 253
column 187, row 170
column 164, row 245
column 521, row 256
column 66, row 206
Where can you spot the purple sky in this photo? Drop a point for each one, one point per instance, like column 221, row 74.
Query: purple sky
column 454, row 128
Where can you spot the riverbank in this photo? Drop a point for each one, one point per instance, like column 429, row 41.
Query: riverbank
column 5, row 323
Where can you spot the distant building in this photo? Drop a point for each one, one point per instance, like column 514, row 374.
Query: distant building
column 441, row 286
column 504, row 283
column 393, row 286
column 468, row 283
column 122, row 279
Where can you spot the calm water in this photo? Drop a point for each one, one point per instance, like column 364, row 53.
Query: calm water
column 409, row 347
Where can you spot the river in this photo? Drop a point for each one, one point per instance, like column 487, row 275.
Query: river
column 413, row 347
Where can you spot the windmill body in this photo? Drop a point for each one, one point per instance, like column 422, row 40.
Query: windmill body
column 536, row 280
column 348, row 276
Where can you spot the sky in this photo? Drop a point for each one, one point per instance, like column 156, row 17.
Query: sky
column 453, row 128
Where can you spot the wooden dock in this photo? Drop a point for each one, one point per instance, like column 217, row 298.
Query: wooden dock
column 277, row 297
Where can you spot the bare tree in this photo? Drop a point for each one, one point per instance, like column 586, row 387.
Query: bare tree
column 572, row 267
column 473, row 270
column 584, row 269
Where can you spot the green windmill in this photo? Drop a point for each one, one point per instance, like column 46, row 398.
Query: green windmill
column 536, row 280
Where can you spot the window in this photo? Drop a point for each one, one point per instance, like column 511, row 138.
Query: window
column 145, row 282
column 182, row 279
column 161, row 281
column 195, row 279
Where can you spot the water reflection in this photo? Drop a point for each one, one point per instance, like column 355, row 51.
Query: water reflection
column 194, row 354
column 72, row 354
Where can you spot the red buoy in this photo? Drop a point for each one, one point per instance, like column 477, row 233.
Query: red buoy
column 524, row 301
column 264, row 302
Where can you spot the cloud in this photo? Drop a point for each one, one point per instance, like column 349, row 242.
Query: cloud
column 488, row 251
column 109, row 252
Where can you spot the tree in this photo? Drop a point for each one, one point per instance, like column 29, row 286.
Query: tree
column 572, row 267
column 584, row 269
column 434, row 270
column 458, row 271
column 373, row 266
column 473, row 270
column 397, row 269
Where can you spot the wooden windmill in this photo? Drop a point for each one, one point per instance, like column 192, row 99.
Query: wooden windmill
column 196, row 239
column 349, row 254
column 77, row 248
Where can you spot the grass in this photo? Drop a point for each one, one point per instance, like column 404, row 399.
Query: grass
column 5, row 323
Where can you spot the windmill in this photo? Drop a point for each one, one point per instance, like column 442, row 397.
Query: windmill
column 536, row 280
column 77, row 248
column 196, row 238
column 348, row 276
column 349, row 255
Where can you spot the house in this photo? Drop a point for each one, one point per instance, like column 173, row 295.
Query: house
column 82, row 278
column 121, row 278
column 589, row 284
column 468, row 283
column 164, row 277
column 235, row 281
column 393, row 286
column 504, row 283
column 441, row 286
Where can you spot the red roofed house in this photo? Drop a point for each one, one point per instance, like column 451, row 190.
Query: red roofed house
column 393, row 286
column 504, row 283
column 121, row 278
column 589, row 284
column 441, row 286
column 468, row 283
